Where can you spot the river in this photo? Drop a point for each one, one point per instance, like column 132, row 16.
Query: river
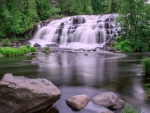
column 77, row 73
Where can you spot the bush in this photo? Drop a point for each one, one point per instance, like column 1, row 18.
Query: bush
column 47, row 50
column 33, row 49
column 9, row 51
column 132, row 44
column 5, row 42
column 146, row 65
column 124, row 46
column 129, row 109
column 24, row 49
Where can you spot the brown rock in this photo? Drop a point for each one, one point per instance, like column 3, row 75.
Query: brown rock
column 78, row 102
column 23, row 95
column 109, row 100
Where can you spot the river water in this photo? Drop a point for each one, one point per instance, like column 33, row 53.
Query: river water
column 75, row 73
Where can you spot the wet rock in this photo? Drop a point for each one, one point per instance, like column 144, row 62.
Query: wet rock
column 37, row 45
column 23, row 95
column 52, row 45
column 15, row 44
column 107, row 112
column 78, row 102
column 85, row 54
column 109, row 100
column 141, row 73
column 116, row 51
column 34, row 61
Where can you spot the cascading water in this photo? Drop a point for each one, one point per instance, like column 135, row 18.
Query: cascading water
column 84, row 31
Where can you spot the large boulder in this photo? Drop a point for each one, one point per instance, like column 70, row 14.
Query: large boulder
column 109, row 100
column 78, row 102
column 23, row 95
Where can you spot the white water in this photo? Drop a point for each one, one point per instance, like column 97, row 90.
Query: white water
column 84, row 31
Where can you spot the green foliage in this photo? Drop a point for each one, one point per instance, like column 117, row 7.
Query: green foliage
column 71, row 7
column 132, row 44
column 9, row 51
column 24, row 49
column 5, row 42
column 129, row 109
column 146, row 65
column 134, row 19
column 147, row 87
column 105, row 6
column 33, row 49
column 17, row 16
column 124, row 46
column 47, row 49
column 44, row 9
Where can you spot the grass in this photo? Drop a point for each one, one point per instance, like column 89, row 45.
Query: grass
column 9, row 51
column 146, row 65
column 129, row 109
column 47, row 49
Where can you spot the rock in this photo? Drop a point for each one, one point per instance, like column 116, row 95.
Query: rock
column 109, row 100
column 52, row 45
column 34, row 61
column 37, row 45
column 141, row 73
column 23, row 95
column 107, row 112
column 78, row 102
column 85, row 54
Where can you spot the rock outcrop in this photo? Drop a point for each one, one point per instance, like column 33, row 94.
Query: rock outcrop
column 78, row 102
column 109, row 100
column 23, row 95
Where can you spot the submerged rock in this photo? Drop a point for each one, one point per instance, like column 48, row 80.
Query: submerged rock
column 109, row 100
column 23, row 95
column 141, row 73
column 78, row 102
column 34, row 61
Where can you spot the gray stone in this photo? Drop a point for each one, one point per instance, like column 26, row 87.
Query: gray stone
column 78, row 102
column 109, row 100
column 23, row 95
column 34, row 61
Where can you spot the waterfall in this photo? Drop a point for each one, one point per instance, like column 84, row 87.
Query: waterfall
column 83, row 31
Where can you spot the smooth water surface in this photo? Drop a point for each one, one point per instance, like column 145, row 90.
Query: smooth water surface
column 75, row 73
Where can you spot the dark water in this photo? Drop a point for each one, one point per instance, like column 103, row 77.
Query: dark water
column 78, row 74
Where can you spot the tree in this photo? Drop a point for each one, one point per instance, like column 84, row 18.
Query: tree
column 44, row 9
column 135, row 25
column 17, row 16
column 74, row 7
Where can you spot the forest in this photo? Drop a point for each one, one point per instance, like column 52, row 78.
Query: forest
column 19, row 16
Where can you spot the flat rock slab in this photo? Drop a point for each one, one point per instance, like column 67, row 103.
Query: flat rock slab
column 109, row 100
column 78, row 102
column 23, row 95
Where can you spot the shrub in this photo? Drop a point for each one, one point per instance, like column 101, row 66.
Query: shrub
column 28, row 46
column 24, row 49
column 47, row 50
column 147, row 88
column 9, row 51
column 146, row 65
column 125, row 46
column 5, row 42
column 129, row 109
column 33, row 49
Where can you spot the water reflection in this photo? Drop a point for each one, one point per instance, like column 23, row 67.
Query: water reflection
column 93, row 74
